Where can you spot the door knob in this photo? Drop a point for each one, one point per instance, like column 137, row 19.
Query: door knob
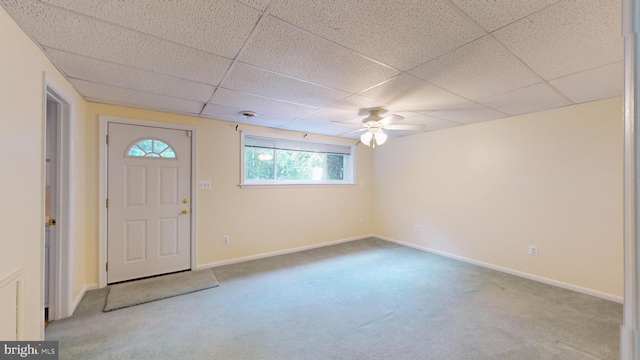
column 185, row 200
column 185, row 211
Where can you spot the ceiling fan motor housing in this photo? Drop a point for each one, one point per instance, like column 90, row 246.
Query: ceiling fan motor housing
column 373, row 117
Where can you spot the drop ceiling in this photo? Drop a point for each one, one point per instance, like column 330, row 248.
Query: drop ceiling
column 319, row 66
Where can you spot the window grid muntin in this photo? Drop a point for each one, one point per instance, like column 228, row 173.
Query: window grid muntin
column 151, row 148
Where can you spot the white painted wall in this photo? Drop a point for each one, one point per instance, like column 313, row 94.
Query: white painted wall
column 487, row 191
column 22, row 69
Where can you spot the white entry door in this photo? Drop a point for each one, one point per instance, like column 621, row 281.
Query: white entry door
column 149, row 201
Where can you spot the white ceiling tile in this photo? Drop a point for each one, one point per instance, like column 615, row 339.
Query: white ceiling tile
column 401, row 133
column 96, row 39
column 134, row 98
column 431, row 122
column 308, row 60
column 530, row 99
column 355, row 136
column 609, row 80
column 324, row 128
column 249, row 79
column 476, row 70
column 83, row 68
column 410, row 93
column 260, row 105
column 256, row 4
column 228, row 113
column 568, row 37
column 494, row 14
column 402, row 34
column 219, row 27
column 284, row 49
column 467, row 113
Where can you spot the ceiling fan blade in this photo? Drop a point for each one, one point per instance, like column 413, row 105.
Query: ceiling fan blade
column 350, row 121
column 405, row 127
column 389, row 119
column 355, row 131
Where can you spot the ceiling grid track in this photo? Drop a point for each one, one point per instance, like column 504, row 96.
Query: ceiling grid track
column 255, row 30
column 320, row 66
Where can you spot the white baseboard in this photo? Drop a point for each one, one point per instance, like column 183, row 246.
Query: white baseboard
column 78, row 298
column 280, row 252
column 525, row 275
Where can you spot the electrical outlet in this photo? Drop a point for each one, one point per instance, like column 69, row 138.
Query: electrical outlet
column 225, row 239
column 361, row 221
column 205, row 184
column 533, row 250
column 417, row 228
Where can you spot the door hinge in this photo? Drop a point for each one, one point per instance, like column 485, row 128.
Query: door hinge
column 189, row 133
column 107, row 139
column 107, row 202
column 106, row 266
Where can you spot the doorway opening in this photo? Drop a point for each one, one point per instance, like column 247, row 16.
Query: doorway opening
column 56, row 207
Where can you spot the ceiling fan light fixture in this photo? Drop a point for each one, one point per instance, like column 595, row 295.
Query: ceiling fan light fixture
column 373, row 137
column 366, row 138
column 380, row 137
column 374, row 123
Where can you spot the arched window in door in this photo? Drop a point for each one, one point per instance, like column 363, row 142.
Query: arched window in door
column 151, row 148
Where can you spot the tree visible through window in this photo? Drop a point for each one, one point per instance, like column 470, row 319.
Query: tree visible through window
column 290, row 161
column 151, row 148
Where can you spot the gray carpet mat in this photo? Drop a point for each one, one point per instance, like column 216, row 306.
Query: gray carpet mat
column 157, row 288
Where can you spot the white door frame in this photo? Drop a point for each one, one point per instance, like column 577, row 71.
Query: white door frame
column 61, row 300
column 102, row 186
column 630, row 329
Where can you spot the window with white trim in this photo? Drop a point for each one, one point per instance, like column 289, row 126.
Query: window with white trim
column 273, row 161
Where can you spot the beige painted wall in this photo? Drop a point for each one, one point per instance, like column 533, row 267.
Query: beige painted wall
column 258, row 221
column 22, row 68
column 487, row 191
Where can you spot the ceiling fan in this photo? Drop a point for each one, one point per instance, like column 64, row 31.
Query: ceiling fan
column 374, row 125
